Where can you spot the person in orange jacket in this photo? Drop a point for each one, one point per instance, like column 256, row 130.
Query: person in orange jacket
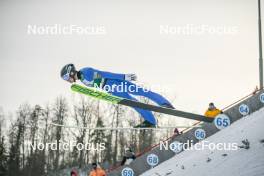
column 97, row 171
column 212, row 111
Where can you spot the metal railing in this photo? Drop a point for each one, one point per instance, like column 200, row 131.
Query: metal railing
column 186, row 129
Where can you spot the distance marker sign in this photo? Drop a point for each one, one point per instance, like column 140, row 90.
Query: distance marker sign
column 152, row 160
column 127, row 172
column 244, row 109
column 261, row 98
column 200, row 134
column 222, row 121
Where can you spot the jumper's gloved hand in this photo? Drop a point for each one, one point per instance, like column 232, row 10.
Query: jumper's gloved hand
column 130, row 77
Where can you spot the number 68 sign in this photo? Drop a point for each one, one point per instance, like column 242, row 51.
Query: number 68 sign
column 152, row 160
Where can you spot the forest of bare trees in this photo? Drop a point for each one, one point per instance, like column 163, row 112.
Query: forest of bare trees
column 32, row 125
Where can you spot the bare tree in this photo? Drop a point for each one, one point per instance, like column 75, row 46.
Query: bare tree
column 23, row 115
column 14, row 167
column 3, row 148
column 83, row 116
column 60, row 110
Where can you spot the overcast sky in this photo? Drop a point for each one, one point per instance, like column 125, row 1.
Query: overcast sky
column 197, row 66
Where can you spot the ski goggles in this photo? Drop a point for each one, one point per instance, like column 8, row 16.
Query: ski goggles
column 66, row 77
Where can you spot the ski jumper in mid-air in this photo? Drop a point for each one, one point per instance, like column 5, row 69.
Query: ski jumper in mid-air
column 92, row 77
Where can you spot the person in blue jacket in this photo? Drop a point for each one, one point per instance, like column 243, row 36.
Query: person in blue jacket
column 115, row 84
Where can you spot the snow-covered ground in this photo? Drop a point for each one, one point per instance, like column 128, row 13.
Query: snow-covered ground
column 241, row 162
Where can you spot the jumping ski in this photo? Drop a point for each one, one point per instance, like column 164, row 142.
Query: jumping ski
column 92, row 92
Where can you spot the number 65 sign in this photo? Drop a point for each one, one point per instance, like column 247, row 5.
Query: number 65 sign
column 222, row 121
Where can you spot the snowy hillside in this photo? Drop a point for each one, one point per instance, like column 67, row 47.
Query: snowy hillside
column 240, row 162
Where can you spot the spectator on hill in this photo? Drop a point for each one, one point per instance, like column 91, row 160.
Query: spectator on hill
column 212, row 111
column 128, row 157
column 97, row 171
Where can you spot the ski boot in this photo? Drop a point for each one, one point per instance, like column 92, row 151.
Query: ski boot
column 145, row 124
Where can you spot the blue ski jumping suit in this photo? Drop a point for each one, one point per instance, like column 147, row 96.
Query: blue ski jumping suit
column 115, row 81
